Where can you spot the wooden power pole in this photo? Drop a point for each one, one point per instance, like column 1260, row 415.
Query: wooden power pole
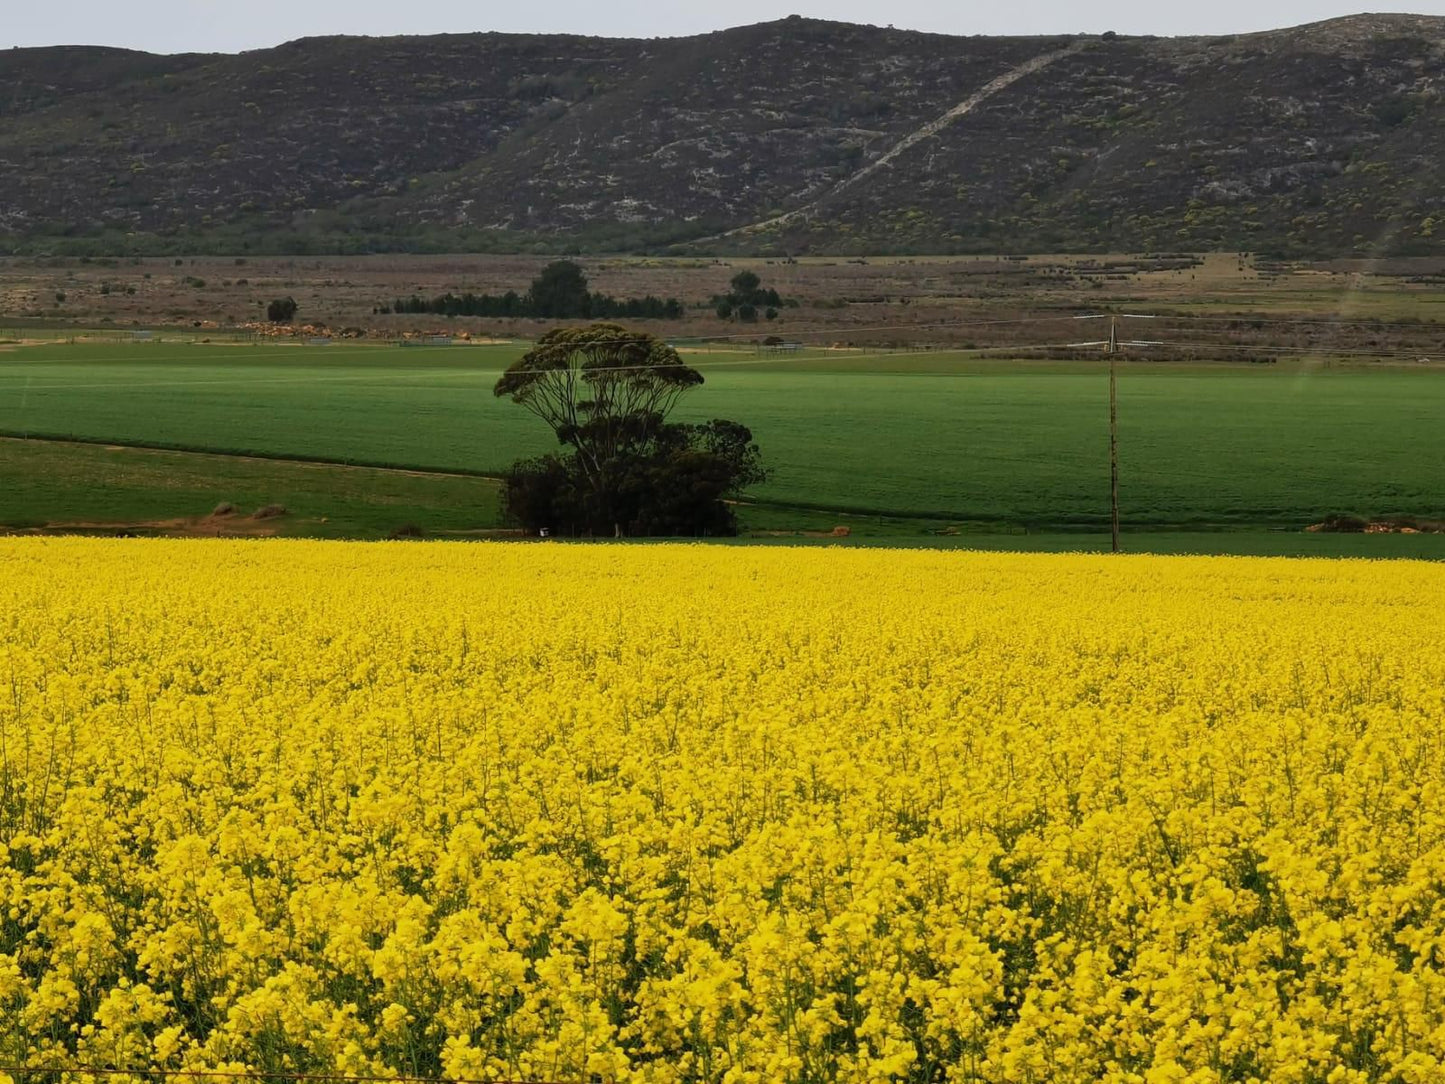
column 1113, row 435
column 1112, row 345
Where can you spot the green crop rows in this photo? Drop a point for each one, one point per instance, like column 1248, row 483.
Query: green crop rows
column 948, row 437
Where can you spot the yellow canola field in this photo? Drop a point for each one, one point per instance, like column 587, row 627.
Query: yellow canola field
column 678, row 813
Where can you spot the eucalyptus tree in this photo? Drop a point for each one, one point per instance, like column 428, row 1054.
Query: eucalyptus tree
column 606, row 393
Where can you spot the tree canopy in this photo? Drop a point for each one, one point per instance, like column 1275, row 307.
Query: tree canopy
column 600, row 387
column 606, row 393
column 560, row 291
column 746, row 297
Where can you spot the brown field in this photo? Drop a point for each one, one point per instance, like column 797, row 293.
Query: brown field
column 1244, row 303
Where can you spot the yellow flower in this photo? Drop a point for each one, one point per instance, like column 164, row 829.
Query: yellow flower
column 676, row 814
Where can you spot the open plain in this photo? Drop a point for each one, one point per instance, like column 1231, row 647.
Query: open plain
column 500, row 574
column 929, row 443
column 916, row 400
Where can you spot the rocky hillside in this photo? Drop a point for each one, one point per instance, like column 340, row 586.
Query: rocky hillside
column 793, row 136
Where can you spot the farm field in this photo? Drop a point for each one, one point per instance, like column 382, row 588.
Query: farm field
column 68, row 488
column 803, row 527
column 665, row 813
column 949, row 436
column 96, row 487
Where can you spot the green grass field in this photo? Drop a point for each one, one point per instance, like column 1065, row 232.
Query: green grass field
column 95, row 487
column 1007, row 444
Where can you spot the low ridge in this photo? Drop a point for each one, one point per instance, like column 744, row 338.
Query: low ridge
column 794, row 136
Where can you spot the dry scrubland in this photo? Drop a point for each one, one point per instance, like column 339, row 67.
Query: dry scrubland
column 877, row 300
column 680, row 813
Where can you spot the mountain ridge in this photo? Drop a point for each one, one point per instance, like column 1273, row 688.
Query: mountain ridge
column 1323, row 139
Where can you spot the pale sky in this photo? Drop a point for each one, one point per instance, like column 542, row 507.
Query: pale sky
column 233, row 25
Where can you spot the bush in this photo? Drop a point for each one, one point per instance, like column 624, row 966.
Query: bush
column 1343, row 523
column 538, row 493
column 281, row 311
column 677, row 487
column 746, row 298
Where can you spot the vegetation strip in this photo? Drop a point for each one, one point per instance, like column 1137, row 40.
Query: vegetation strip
column 231, row 453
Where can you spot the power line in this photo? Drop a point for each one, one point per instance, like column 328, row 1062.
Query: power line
column 861, row 355
column 638, row 337
column 1048, row 316
column 1302, row 351
column 855, row 354
column 1256, row 323
column 831, row 332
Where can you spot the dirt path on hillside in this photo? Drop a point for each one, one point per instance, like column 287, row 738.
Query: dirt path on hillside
column 932, row 128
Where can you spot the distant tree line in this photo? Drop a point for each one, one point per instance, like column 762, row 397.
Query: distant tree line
column 513, row 304
column 559, row 293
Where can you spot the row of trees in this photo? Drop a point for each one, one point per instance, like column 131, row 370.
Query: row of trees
column 606, row 393
column 513, row 304
column 559, row 293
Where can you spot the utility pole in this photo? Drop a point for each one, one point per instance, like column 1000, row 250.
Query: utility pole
column 1112, row 345
column 1113, row 436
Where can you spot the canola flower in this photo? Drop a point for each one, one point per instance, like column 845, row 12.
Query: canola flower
column 676, row 813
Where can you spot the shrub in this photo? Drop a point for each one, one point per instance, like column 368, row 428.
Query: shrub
column 677, row 486
column 1343, row 523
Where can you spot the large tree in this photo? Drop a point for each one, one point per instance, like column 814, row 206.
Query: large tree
column 601, row 388
column 745, row 297
column 606, row 393
column 560, row 292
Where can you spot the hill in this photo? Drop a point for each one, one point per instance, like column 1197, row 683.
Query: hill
column 793, row 136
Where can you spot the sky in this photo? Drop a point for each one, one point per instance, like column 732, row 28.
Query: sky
column 171, row 26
